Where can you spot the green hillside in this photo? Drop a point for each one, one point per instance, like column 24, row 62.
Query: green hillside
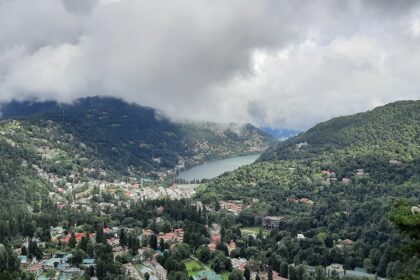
column 51, row 152
column 391, row 131
column 128, row 136
column 344, row 179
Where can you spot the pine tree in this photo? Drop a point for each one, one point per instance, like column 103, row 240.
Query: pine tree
column 23, row 251
column 270, row 273
column 247, row 273
column 72, row 241
column 161, row 244
column 153, row 242
column 123, row 238
column 100, row 238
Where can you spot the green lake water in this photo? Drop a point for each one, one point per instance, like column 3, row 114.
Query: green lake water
column 214, row 168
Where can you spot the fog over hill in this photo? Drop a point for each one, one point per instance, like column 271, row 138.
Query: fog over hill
column 281, row 64
column 126, row 135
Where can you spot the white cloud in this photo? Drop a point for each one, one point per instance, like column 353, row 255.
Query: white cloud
column 279, row 63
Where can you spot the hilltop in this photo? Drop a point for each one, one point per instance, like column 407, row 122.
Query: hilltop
column 392, row 131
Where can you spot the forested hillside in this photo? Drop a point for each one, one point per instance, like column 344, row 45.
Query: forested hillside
column 392, row 131
column 339, row 181
column 127, row 135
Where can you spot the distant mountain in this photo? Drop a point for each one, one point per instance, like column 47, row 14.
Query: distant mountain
column 129, row 136
column 281, row 133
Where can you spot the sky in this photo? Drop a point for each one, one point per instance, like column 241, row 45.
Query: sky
column 268, row 62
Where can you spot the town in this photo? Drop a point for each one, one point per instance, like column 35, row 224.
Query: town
column 71, row 251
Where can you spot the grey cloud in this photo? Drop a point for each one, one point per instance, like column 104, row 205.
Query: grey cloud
column 279, row 63
column 79, row 6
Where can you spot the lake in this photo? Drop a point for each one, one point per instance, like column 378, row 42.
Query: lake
column 214, row 168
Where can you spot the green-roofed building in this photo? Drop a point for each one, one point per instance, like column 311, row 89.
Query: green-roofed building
column 207, row 275
column 88, row 262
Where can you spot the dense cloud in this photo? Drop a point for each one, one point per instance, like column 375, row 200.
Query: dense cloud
column 269, row 62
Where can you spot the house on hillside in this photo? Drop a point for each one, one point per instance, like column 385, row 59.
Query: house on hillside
column 270, row 222
column 233, row 206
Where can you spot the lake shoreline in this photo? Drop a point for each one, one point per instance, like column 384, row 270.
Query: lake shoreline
column 214, row 168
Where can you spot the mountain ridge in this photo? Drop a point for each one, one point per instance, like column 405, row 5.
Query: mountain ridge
column 375, row 127
column 127, row 134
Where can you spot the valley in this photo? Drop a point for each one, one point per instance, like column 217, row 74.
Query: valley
column 209, row 140
column 330, row 203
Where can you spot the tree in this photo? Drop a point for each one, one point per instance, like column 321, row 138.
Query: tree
column 133, row 243
column 78, row 256
column 100, row 238
column 204, row 254
column 293, row 273
column 247, row 273
column 161, row 244
column 23, row 251
column 320, row 273
column 368, row 265
column 153, row 242
column 236, row 275
column 270, row 273
column 72, row 241
column 220, row 262
column 222, row 247
column 284, row 269
column 123, row 237
column 84, row 242
column 329, row 242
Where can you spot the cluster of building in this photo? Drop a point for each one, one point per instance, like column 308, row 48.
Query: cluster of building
column 83, row 191
column 234, row 206
column 154, row 270
column 57, row 266
column 176, row 191
column 330, row 175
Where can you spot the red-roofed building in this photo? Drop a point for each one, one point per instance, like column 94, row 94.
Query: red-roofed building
column 216, row 238
column 35, row 268
column 78, row 236
column 234, row 207
column 170, row 236
column 276, row 276
column 176, row 236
